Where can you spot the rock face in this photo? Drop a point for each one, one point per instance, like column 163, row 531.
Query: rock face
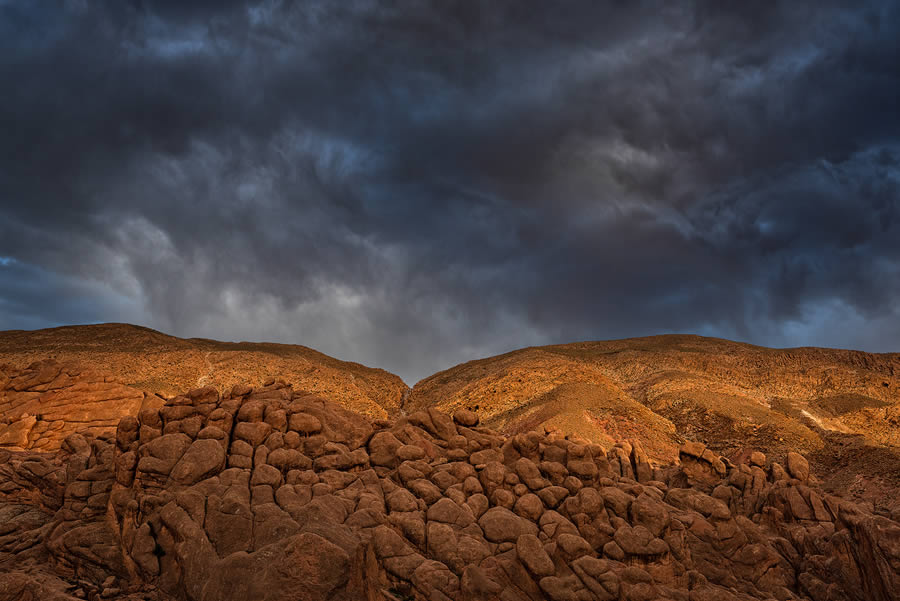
column 274, row 495
column 45, row 402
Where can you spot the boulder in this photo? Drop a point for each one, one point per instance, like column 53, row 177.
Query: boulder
column 500, row 524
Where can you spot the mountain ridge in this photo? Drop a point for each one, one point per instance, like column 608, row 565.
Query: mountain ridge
column 839, row 406
column 171, row 365
column 654, row 468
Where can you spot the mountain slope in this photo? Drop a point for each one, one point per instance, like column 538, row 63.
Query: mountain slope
column 156, row 363
column 841, row 407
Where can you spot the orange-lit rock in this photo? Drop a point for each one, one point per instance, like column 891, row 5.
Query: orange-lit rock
column 137, row 514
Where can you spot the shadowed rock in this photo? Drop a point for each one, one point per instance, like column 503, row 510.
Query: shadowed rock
column 274, row 495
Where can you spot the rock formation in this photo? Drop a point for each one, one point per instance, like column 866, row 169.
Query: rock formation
column 44, row 403
column 841, row 408
column 269, row 494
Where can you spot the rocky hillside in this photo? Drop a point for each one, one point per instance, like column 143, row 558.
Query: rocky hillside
column 163, row 365
column 273, row 495
column 45, row 402
column 840, row 407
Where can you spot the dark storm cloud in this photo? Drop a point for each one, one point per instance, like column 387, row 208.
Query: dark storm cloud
column 413, row 184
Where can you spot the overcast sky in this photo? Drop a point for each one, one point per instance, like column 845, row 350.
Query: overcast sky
column 411, row 185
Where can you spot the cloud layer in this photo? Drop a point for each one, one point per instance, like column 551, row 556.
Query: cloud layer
column 415, row 184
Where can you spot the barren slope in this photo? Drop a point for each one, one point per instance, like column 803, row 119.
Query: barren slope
column 841, row 407
column 150, row 361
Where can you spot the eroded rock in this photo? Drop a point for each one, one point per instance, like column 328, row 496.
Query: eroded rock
column 275, row 495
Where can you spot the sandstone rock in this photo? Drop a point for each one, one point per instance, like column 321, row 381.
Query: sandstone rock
column 529, row 506
column 433, row 577
column 500, row 524
column 616, row 500
column 253, row 433
column 476, row 583
column 639, row 541
column 383, row 449
column 692, row 449
column 464, row 417
column 163, row 515
column 573, row 546
column 643, row 471
column 531, row 552
column 305, row 423
column 552, row 495
column 448, row 512
column 286, row 459
column 650, row 513
column 777, row 472
column 699, row 502
column 478, row 503
column 797, row 466
column 16, row 433
column 758, row 459
column 203, row 459
column 45, row 402
column 560, row 588
column 161, row 454
column 530, row 475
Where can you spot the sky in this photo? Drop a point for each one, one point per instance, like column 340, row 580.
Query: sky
column 414, row 184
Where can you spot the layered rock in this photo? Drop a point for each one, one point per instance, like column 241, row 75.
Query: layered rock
column 276, row 495
column 47, row 401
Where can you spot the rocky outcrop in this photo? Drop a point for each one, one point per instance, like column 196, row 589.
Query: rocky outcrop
column 840, row 408
column 44, row 403
column 272, row 494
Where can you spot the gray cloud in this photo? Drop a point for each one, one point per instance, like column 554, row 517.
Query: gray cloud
column 415, row 184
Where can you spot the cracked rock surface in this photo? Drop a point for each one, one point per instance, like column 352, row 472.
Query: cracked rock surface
column 270, row 494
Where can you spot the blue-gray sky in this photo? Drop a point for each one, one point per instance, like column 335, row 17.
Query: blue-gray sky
column 413, row 184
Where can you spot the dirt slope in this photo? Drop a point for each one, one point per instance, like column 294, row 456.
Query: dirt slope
column 156, row 363
column 840, row 407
